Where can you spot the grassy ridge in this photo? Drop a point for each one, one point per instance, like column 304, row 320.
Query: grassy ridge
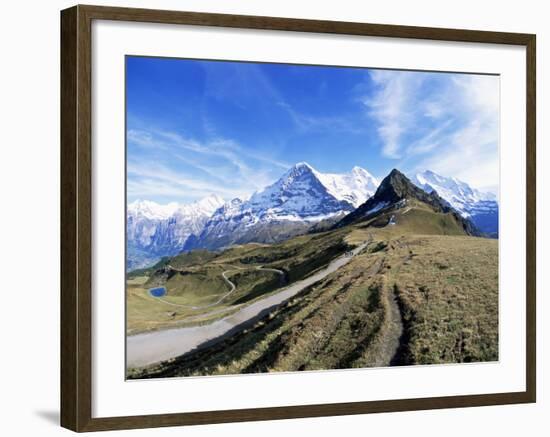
column 417, row 218
column 195, row 279
column 422, row 292
column 255, row 283
column 310, row 316
column 404, row 300
column 448, row 292
column 196, row 257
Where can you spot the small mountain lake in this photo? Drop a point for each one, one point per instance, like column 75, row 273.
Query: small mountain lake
column 157, row 291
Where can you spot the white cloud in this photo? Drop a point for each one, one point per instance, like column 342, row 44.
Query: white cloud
column 146, row 180
column 307, row 123
column 170, row 165
column 430, row 141
column 470, row 152
column 448, row 123
column 392, row 108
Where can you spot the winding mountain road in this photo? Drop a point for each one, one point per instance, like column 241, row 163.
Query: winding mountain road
column 232, row 287
column 151, row 347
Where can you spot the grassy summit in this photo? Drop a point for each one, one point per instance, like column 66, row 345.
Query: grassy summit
column 395, row 191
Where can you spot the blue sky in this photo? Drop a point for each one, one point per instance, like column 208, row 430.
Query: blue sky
column 231, row 128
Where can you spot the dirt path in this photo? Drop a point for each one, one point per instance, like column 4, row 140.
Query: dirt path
column 392, row 331
column 387, row 345
column 148, row 348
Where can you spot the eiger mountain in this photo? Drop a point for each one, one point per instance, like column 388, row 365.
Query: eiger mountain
column 300, row 198
column 398, row 201
column 481, row 208
column 154, row 230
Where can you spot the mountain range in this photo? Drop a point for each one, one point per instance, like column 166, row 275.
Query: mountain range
column 397, row 195
column 301, row 197
column 154, row 231
column 301, row 200
column 480, row 207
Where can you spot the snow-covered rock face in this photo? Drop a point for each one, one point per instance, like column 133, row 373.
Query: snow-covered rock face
column 301, row 195
column 354, row 187
column 155, row 230
column 480, row 207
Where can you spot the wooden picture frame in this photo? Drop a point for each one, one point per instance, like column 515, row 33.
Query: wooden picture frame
column 76, row 217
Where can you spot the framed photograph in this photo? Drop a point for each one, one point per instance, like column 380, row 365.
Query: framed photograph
column 268, row 218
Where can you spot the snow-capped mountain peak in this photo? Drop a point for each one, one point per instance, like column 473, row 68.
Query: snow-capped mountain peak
column 302, row 165
column 152, row 210
column 299, row 192
column 356, row 170
column 455, row 191
column 302, row 188
column 354, row 187
column 155, row 230
column 302, row 195
column 207, row 205
column 156, row 211
column 480, row 207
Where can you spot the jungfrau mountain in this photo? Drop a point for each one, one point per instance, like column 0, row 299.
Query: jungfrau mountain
column 300, row 198
column 480, row 207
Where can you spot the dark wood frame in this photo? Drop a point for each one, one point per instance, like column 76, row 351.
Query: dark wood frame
column 76, row 221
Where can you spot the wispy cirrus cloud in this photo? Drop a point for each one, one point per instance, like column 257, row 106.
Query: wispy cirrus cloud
column 448, row 123
column 469, row 151
column 307, row 122
column 170, row 164
column 155, row 179
column 393, row 105
column 248, row 85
